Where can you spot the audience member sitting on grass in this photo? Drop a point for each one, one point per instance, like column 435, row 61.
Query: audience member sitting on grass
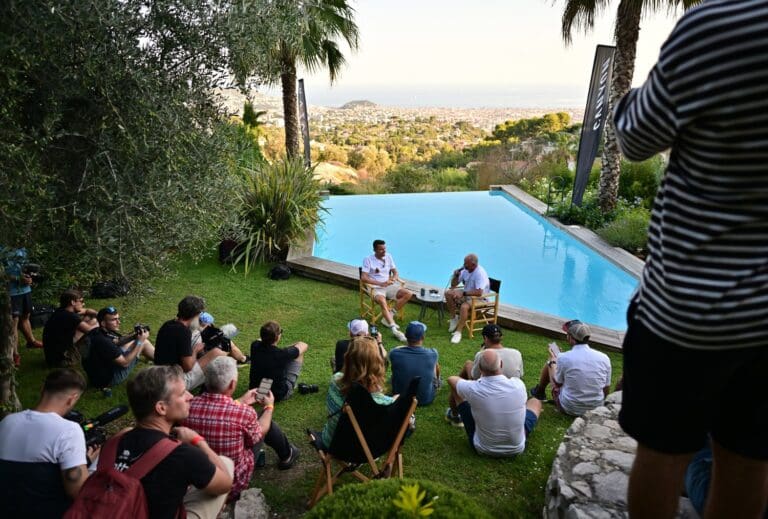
column 59, row 333
column 110, row 357
column 580, row 378
column 380, row 272
column 282, row 365
column 512, row 366
column 493, row 409
column 357, row 328
column 232, row 427
column 159, row 400
column 174, row 342
column 475, row 283
column 42, row 455
column 414, row 360
column 362, row 365
column 214, row 337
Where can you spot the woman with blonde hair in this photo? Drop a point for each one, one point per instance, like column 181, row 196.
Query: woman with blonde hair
column 363, row 365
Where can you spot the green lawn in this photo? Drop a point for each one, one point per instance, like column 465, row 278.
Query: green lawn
column 317, row 313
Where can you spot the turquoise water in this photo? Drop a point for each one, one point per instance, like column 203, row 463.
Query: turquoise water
column 541, row 267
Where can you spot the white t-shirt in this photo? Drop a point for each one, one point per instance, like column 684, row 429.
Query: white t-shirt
column 32, row 436
column 498, row 407
column 478, row 278
column 511, row 360
column 583, row 373
column 378, row 269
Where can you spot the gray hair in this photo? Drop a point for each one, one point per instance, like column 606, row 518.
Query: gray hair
column 490, row 362
column 150, row 386
column 472, row 258
column 219, row 373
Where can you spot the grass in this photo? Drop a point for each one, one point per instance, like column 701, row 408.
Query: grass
column 317, row 313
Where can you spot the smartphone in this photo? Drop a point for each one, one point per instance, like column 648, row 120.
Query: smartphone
column 554, row 349
column 374, row 331
column 264, row 387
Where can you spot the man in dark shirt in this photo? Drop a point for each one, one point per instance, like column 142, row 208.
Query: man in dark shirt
column 282, row 365
column 59, row 331
column 159, row 399
column 357, row 328
column 174, row 342
column 111, row 357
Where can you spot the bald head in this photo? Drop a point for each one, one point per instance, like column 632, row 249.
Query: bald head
column 470, row 262
column 490, row 363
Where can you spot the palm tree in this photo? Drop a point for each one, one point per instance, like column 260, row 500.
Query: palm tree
column 581, row 14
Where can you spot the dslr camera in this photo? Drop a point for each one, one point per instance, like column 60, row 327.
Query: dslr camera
column 34, row 271
column 139, row 328
column 94, row 430
column 219, row 337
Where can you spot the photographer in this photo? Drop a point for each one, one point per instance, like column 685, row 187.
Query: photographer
column 221, row 338
column 59, row 333
column 42, row 455
column 20, row 279
column 111, row 357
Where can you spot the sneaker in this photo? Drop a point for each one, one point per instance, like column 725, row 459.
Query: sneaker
column 290, row 460
column 400, row 336
column 36, row 345
column 452, row 324
column 385, row 324
column 456, row 337
column 453, row 419
column 537, row 392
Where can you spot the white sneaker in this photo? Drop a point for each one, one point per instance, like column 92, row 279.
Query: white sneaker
column 456, row 337
column 452, row 325
column 400, row 336
column 385, row 324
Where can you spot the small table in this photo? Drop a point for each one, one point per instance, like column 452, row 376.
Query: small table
column 431, row 298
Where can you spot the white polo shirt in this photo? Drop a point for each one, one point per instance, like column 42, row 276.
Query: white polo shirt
column 378, row 269
column 478, row 278
column 583, row 373
column 498, row 407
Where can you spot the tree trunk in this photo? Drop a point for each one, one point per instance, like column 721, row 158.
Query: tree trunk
column 9, row 402
column 627, row 32
column 290, row 108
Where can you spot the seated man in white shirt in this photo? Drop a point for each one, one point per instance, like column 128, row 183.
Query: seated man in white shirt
column 380, row 272
column 580, row 378
column 494, row 410
column 476, row 283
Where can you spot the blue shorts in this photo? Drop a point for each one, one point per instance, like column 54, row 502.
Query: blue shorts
column 465, row 411
column 21, row 305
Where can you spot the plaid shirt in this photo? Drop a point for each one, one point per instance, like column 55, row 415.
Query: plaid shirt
column 230, row 428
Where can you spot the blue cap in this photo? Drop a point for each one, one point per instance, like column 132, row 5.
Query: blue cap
column 206, row 318
column 415, row 331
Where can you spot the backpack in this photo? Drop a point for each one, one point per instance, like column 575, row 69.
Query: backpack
column 119, row 495
column 280, row 272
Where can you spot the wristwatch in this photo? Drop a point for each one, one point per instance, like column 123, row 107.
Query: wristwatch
column 550, row 362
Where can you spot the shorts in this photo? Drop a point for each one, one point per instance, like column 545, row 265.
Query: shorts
column 21, row 305
column 194, row 377
column 674, row 397
column 389, row 292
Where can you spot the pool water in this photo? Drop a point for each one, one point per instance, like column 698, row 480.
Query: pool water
column 541, row 267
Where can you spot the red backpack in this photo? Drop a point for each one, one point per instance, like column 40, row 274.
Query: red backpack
column 119, row 495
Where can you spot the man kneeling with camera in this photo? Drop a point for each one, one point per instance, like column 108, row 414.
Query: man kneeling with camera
column 111, row 356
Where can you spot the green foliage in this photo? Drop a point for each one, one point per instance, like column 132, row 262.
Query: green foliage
column 412, row 501
column 377, row 498
column 589, row 214
column 640, row 180
column 251, row 117
column 629, row 230
column 408, row 179
column 535, row 127
column 279, row 205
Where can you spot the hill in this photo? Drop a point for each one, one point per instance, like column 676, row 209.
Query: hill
column 358, row 104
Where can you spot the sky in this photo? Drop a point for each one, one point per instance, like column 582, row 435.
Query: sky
column 475, row 49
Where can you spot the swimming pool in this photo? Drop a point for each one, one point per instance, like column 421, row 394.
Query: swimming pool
column 542, row 267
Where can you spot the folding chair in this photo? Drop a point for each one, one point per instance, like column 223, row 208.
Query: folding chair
column 365, row 432
column 484, row 309
column 370, row 309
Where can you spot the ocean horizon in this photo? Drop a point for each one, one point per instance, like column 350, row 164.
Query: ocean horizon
column 460, row 96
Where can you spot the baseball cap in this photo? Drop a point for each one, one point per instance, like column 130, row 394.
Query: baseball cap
column 577, row 330
column 206, row 318
column 415, row 330
column 358, row 327
column 108, row 310
column 492, row 330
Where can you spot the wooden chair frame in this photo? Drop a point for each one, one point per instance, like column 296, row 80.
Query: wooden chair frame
column 369, row 308
column 483, row 309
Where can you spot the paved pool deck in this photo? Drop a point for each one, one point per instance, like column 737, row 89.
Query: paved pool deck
column 302, row 262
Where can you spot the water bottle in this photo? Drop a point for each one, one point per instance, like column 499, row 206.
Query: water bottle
column 261, row 459
column 423, row 291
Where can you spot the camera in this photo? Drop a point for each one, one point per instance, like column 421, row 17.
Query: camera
column 305, row 389
column 138, row 328
column 33, row 270
column 374, row 330
column 94, row 430
column 221, row 338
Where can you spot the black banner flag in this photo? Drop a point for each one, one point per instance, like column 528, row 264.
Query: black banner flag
column 304, row 119
column 595, row 115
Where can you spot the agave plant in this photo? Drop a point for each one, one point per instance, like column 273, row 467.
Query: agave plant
column 279, row 204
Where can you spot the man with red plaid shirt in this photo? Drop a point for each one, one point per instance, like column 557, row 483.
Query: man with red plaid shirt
column 232, row 427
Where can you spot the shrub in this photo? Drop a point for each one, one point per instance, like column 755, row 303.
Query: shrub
column 407, row 178
column 588, row 215
column 451, row 179
column 629, row 230
column 640, row 180
column 376, row 499
column 280, row 202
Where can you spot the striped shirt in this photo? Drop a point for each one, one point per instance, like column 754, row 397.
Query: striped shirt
column 705, row 284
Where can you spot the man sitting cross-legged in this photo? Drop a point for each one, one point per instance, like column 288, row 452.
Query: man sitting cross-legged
column 380, row 272
column 476, row 283
column 580, row 378
column 494, row 410
column 512, row 362
column 282, row 365
column 232, row 427
column 414, row 360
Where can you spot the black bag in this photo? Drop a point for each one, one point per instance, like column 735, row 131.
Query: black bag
column 110, row 289
column 40, row 315
column 280, row 271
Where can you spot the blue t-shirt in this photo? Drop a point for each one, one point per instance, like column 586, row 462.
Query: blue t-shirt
column 14, row 260
column 414, row 361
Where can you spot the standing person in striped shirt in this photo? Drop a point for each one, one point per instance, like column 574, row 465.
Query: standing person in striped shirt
column 696, row 348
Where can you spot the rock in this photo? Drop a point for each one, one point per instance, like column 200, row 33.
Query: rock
column 597, row 432
column 588, row 454
column 584, row 469
column 601, row 411
column 576, row 426
column 588, row 512
column 626, row 444
column 612, row 424
column 583, row 487
column 622, row 459
column 611, row 487
column 614, row 398
column 252, row 505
